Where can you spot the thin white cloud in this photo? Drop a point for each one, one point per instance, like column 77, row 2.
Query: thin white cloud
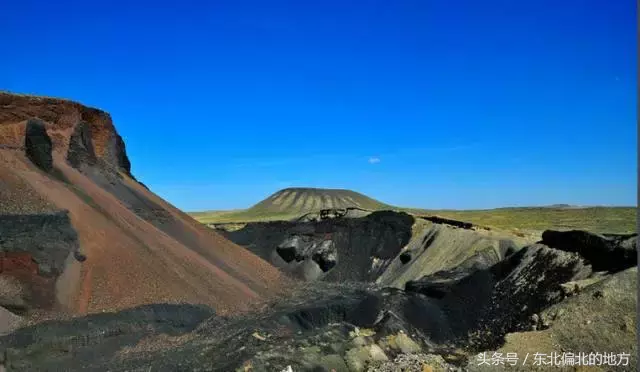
column 374, row 160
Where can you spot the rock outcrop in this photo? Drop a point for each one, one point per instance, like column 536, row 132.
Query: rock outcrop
column 60, row 118
column 609, row 252
column 72, row 237
column 81, row 150
column 385, row 246
column 34, row 251
column 49, row 239
column 336, row 249
column 504, row 296
column 38, row 145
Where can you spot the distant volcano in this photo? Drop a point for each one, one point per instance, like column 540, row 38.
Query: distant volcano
column 305, row 200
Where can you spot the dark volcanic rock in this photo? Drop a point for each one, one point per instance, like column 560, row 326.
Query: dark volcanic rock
column 95, row 339
column 33, row 252
column 440, row 283
column 117, row 154
column 527, row 282
column 505, row 295
column 81, row 150
column 49, row 238
column 341, row 248
column 303, row 329
column 405, row 257
column 605, row 252
column 448, row 221
column 38, row 145
column 298, row 331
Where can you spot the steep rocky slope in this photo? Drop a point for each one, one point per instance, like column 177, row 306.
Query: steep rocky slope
column 78, row 233
column 386, row 247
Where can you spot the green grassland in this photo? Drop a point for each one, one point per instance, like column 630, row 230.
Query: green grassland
column 240, row 216
column 596, row 219
column 291, row 203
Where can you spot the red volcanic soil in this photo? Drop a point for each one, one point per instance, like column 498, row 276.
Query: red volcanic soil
column 61, row 116
column 17, row 262
column 132, row 257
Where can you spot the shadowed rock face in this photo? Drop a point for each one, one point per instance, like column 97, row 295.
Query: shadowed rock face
column 384, row 246
column 448, row 221
column 332, row 249
column 38, row 145
column 81, row 150
column 117, row 150
column 605, row 252
column 438, row 284
column 505, row 295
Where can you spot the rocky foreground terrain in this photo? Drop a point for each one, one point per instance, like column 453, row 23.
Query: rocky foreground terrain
column 537, row 299
column 97, row 273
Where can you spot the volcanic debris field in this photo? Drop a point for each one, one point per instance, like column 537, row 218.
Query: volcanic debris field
column 99, row 273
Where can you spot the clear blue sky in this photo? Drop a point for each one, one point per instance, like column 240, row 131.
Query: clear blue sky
column 425, row 103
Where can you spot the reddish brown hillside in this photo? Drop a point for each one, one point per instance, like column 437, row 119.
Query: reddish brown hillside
column 124, row 245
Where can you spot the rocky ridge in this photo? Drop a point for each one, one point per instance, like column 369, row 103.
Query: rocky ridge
column 76, row 228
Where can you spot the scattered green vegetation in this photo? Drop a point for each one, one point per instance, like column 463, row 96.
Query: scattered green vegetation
column 240, row 216
column 596, row 219
column 292, row 203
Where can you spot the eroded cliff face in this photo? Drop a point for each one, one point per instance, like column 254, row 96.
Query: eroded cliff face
column 73, row 220
column 386, row 247
column 335, row 249
column 70, row 126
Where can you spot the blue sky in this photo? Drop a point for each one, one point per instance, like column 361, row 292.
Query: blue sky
column 426, row 103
